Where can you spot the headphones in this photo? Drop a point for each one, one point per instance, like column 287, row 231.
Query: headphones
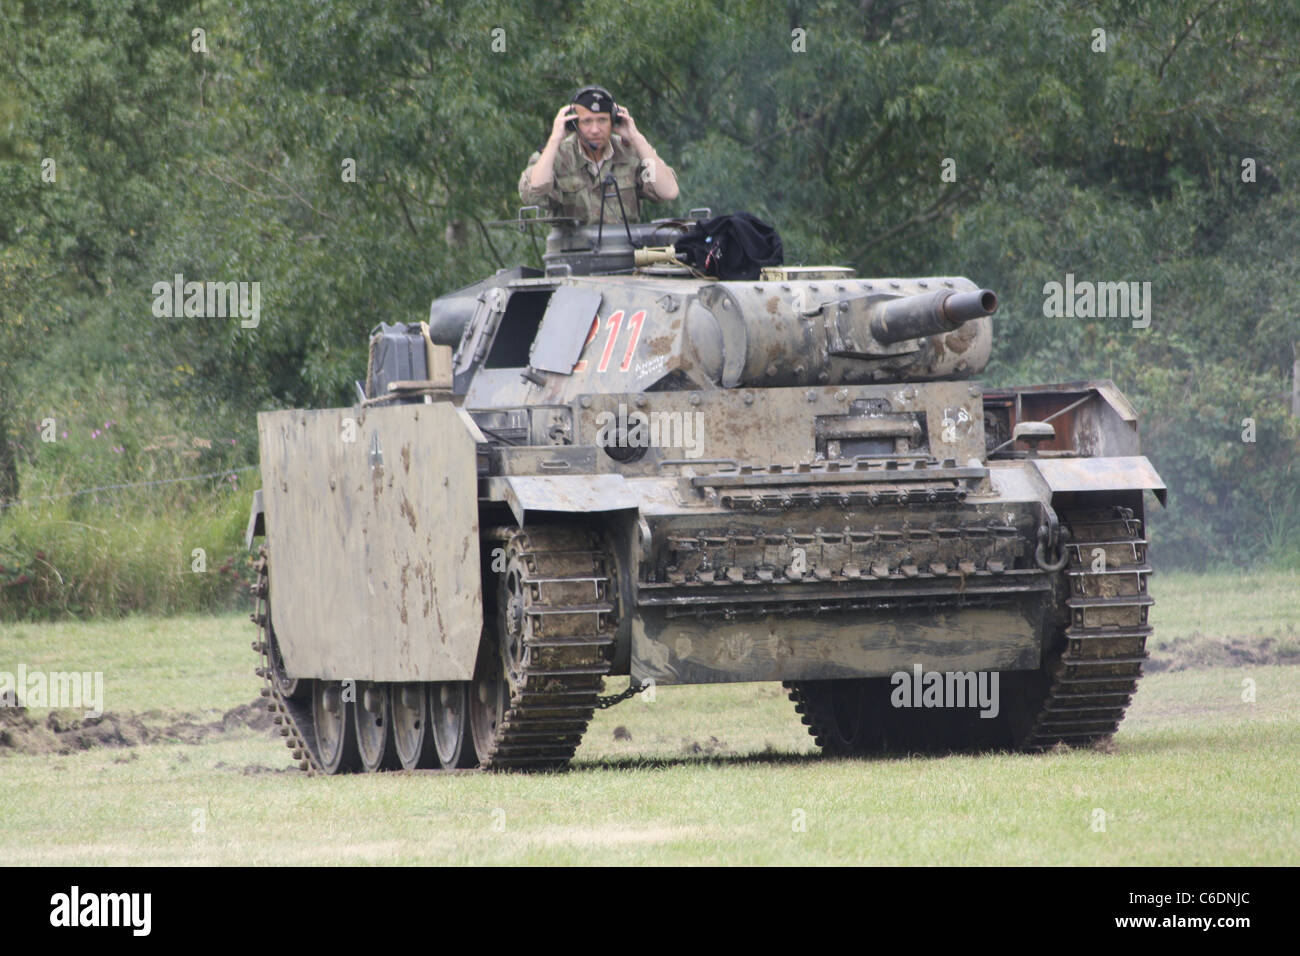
column 587, row 92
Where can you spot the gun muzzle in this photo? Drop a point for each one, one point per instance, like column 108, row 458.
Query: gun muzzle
column 931, row 313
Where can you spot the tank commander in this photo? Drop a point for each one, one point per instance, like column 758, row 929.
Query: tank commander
column 591, row 139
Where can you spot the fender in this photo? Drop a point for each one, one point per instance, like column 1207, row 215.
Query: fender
column 578, row 494
column 1101, row 474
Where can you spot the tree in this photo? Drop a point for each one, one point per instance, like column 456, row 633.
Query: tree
column 325, row 150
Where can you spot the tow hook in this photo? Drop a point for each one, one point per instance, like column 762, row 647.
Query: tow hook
column 1052, row 539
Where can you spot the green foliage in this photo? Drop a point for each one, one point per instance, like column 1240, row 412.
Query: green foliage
column 64, row 552
column 832, row 121
column 56, row 560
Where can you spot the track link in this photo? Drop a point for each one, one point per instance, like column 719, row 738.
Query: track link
column 1078, row 698
column 568, row 615
column 1096, row 673
column 290, row 711
column 560, row 592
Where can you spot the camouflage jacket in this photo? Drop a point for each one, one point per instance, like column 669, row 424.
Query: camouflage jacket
column 576, row 186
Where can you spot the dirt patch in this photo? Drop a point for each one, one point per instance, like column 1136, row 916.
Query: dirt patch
column 712, row 746
column 63, row 732
column 1200, row 650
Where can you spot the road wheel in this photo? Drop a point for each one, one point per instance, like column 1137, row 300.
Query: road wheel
column 332, row 720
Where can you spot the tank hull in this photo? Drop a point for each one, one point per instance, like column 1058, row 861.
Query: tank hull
column 687, row 496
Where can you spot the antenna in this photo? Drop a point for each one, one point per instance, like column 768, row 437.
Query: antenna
column 600, row 231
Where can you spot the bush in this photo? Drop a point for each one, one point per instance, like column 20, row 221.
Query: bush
column 66, row 552
column 53, row 565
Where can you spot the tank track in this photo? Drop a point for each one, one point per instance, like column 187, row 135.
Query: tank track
column 1096, row 674
column 291, row 713
column 571, row 616
column 1089, row 675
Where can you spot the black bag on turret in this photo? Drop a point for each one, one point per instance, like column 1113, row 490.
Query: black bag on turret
column 735, row 246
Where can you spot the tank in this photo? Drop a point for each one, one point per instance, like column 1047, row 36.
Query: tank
column 617, row 466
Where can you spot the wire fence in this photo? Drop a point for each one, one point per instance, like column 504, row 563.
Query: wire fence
column 130, row 484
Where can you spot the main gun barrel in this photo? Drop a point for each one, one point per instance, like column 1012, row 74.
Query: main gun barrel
column 918, row 316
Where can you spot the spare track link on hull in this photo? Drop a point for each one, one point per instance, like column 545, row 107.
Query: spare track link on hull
column 1090, row 672
column 567, row 616
column 569, row 603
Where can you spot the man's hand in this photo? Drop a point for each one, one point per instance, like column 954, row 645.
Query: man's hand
column 658, row 179
column 565, row 114
column 544, row 169
column 627, row 129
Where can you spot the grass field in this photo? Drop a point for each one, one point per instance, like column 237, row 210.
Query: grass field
column 700, row 775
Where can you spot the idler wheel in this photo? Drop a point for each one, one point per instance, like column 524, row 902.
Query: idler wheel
column 290, row 688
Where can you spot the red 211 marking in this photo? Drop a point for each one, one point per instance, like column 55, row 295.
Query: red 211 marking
column 614, row 322
column 612, row 325
column 635, row 324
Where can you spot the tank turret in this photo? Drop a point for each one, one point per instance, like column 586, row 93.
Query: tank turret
column 823, row 333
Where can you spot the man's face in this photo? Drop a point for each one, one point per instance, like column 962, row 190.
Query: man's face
column 593, row 128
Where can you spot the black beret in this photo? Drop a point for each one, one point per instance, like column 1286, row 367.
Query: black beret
column 597, row 101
